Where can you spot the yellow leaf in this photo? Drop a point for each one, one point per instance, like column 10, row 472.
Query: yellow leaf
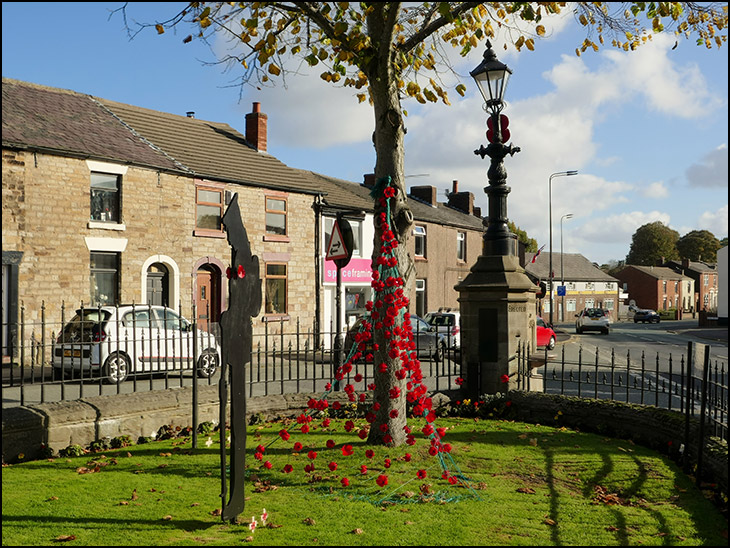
column 530, row 43
column 540, row 30
column 273, row 69
column 461, row 89
column 160, row 29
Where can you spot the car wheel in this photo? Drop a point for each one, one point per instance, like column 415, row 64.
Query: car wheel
column 207, row 364
column 551, row 344
column 605, row 331
column 116, row 368
column 656, row 320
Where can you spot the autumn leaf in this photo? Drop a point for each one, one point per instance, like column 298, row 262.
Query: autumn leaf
column 308, row 521
column 549, row 521
column 357, row 531
column 168, row 517
column 64, row 538
column 526, row 490
column 134, row 495
column 160, row 29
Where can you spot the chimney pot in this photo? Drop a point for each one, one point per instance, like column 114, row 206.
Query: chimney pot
column 455, row 187
column 190, row 114
column 368, row 180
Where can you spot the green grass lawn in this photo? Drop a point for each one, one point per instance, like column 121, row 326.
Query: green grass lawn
column 528, row 485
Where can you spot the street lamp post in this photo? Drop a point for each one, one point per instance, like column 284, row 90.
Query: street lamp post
column 562, row 274
column 550, row 203
column 491, row 77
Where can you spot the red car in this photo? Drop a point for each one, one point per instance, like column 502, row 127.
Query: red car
column 545, row 335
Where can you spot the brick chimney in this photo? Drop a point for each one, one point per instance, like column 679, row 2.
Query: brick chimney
column 463, row 201
column 368, row 180
column 256, row 128
column 425, row 193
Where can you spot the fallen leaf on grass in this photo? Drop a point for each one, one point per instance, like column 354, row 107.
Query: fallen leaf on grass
column 52, row 498
column 357, row 531
column 64, row 538
column 526, row 490
column 134, row 495
column 549, row 521
column 248, row 539
column 168, row 517
column 308, row 521
column 273, row 525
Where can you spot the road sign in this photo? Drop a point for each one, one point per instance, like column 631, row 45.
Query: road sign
column 561, row 291
column 339, row 247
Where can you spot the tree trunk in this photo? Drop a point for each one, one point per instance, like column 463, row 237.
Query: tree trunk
column 390, row 391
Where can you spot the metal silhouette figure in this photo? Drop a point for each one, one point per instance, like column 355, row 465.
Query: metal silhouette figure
column 244, row 302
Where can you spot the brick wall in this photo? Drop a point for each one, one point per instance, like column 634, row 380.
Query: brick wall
column 45, row 215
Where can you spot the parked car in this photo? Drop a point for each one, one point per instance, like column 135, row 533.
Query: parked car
column 545, row 334
column 116, row 341
column 592, row 319
column 449, row 323
column 429, row 341
column 646, row 315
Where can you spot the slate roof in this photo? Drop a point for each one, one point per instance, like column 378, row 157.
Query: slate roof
column 211, row 150
column 658, row 272
column 342, row 194
column 697, row 266
column 69, row 123
column 575, row 266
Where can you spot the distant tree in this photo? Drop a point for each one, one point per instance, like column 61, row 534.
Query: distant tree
column 723, row 242
column 653, row 243
column 613, row 267
column 530, row 243
column 698, row 245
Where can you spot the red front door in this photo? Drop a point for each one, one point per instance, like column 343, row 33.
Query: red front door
column 207, row 299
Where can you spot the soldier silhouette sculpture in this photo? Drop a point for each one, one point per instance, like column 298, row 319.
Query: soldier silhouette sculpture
column 244, row 302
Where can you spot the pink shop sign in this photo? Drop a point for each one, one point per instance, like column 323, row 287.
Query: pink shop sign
column 357, row 271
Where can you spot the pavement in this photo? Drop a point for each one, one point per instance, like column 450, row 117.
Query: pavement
column 718, row 334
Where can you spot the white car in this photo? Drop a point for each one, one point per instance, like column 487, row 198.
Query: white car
column 448, row 323
column 592, row 319
column 117, row 341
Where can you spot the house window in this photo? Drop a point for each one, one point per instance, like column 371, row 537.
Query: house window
column 461, row 246
column 276, row 216
column 105, row 197
column 419, row 233
column 208, row 208
column 421, row 297
column 608, row 304
column 589, row 285
column 276, row 288
column 664, row 286
column 590, row 303
column 570, row 305
column 104, row 278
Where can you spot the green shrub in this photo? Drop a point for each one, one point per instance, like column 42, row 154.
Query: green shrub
column 73, row 450
column 121, row 441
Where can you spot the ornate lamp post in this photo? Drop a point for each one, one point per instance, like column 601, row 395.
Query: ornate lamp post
column 491, row 77
column 562, row 275
column 550, row 203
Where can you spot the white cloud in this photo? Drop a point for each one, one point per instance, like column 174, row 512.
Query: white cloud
column 711, row 171
column 715, row 222
column 655, row 190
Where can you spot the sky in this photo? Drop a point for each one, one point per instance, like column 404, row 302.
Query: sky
column 646, row 130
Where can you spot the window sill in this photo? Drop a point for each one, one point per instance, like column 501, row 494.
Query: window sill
column 423, row 259
column 275, row 318
column 276, row 238
column 207, row 233
column 107, row 225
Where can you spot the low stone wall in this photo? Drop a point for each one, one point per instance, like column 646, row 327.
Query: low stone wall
column 27, row 429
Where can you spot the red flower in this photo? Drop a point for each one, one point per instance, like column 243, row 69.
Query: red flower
column 393, row 413
column 297, row 447
column 309, row 468
column 504, row 378
column 362, row 434
column 333, row 466
column 305, row 428
column 312, row 455
column 288, row 468
column 407, row 457
column 421, row 474
column 459, row 381
column 386, row 463
column 260, row 449
column 284, row 434
column 370, row 453
column 349, row 425
column 330, row 444
column 387, row 439
column 363, row 469
column 258, row 456
column 325, row 423
column 268, row 464
column 345, row 482
column 382, row 480
column 507, row 403
column 347, row 450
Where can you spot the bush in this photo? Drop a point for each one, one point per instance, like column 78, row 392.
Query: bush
column 73, row 450
column 121, row 441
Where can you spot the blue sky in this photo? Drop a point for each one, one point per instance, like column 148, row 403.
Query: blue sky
column 646, row 130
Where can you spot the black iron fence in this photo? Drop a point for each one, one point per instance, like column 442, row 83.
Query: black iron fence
column 126, row 349
column 691, row 384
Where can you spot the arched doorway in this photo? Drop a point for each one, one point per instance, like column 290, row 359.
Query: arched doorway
column 158, row 285
column 207, row 297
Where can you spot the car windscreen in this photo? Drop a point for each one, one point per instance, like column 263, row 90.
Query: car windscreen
column 84, row 326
